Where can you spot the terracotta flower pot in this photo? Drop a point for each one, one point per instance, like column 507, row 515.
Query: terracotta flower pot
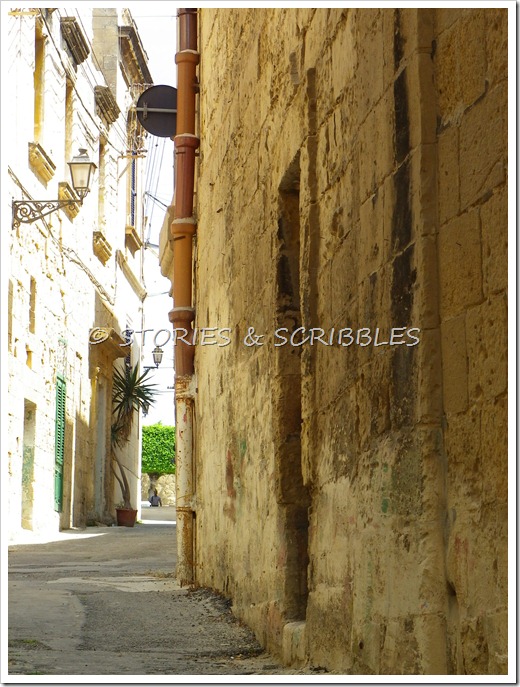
column 126, row 517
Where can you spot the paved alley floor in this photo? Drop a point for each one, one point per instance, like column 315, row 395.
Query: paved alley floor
column 104, row 601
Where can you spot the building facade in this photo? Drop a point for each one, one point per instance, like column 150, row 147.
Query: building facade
column 75, row 275
column 348, row 470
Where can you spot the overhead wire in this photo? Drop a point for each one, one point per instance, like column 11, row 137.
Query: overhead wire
column 135, row 89
column 116, row 129
column 152, row 177
column 130, row 140
column 123, row 135
column 156, row 199
column 116, row 138
column 87, row 110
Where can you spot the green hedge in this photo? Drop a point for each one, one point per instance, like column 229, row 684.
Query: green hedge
column 158, row 454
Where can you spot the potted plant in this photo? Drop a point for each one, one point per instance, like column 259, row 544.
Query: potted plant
column 131, row 392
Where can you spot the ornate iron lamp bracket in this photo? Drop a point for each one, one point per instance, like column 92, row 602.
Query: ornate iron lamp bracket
column 31, row 210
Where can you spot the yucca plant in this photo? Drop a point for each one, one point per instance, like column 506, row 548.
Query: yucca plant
column 126, row 503
column 131, row 392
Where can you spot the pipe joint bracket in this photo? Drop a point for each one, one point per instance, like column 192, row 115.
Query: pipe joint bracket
column 187, row 56
column 186, row 141
column 183, row 228
column 182, row 317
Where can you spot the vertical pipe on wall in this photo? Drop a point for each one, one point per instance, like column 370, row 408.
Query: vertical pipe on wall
column 183, row 229
column 184, row 480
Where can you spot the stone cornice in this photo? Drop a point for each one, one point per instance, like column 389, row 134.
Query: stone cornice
column 106, row 105
column 132, row 239
column 101, row 247
column 66, row 192
column 76, row 41
column 106, row 341
column 40, row 163
column 133, row 57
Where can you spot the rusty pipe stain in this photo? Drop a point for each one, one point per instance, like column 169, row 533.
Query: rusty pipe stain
column 184, row 488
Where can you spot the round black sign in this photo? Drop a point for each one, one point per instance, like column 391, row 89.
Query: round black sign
column 157, row 110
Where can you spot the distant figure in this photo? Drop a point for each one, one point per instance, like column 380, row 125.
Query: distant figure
column 155, row 500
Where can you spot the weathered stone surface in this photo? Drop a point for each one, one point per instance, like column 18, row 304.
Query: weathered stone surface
column 449, row 182
column 59, row 291
column 460, row 264
column 483, row 157
column 486, row 336
column 496, row 45
column 472, row 162
column 391, row 214
column 165, row 485
column 461, row 82
column 493, row 218
column 455, row 365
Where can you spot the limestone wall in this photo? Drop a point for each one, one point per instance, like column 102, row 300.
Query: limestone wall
column 64, row 276
column 165, row 485
column 472, row 239
column 352, row 499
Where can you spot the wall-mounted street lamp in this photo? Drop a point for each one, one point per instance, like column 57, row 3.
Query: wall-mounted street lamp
column 81, row 171
column 157, row 355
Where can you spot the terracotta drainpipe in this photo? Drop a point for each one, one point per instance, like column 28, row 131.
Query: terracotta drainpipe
column 182, row 230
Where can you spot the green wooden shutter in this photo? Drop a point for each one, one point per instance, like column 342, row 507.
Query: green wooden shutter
column 59, row 451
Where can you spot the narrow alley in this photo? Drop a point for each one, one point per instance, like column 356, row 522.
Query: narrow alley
column 259, row 268
column 104, row 601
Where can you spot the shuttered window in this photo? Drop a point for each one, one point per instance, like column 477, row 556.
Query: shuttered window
column 60, row 443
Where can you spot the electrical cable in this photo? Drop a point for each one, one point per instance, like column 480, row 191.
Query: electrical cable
column 154, row 161
column 146, row 193
column 118, row 129
column 133, row 87
column 74, row 86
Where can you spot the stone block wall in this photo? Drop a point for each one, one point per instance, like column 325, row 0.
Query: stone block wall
column 472, row 159
column 105, row 43
column 165, row 485
column 348, row 180
column 59, row 288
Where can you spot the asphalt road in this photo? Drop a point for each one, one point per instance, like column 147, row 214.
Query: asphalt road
column 104, row 601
